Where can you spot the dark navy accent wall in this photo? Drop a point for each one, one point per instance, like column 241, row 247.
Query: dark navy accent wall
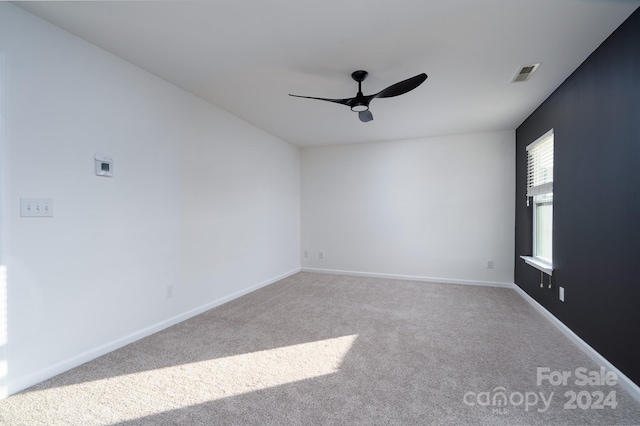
column 596, row 239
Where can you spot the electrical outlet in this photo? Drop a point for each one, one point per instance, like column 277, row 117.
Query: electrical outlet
column 489, row 264
column 36, row 207
column 561, row 293
column 305, row 253
column 321, row 255
column 169, row 291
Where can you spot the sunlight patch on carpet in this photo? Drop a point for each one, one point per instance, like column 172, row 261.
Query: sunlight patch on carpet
column 145, row 393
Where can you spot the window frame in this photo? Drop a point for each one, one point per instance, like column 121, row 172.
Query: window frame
column 537, row 194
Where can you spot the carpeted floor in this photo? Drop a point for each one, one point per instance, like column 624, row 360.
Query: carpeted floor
column 328, row 349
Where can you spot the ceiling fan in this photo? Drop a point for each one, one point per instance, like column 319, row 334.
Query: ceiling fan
column 360, row 103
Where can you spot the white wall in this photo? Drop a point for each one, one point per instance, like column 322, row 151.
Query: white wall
column 430, row 208
column 200, row 200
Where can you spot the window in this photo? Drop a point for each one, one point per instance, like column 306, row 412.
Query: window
column 543, row 227
column 540, row 189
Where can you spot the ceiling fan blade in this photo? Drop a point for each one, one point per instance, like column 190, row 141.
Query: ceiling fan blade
column 365, row 116
column 337, row 101
column 402, row 87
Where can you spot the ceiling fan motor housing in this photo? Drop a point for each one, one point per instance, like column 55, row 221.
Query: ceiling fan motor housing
column 359, row 103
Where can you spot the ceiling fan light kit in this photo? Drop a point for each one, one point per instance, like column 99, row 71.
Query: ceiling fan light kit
column 360, row 103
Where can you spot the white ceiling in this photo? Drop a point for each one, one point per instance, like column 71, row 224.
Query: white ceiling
column 245, row 56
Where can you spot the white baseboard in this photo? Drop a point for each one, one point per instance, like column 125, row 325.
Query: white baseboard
column 410, row 278
column 624, row 382
column 22, row 383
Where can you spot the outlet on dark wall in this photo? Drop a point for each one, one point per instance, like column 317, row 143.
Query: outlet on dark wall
column 595, row 115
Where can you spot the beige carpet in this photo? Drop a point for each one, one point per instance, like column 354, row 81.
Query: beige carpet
column 326, row 349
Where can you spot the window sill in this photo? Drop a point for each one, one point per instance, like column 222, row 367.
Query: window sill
column 538, row 264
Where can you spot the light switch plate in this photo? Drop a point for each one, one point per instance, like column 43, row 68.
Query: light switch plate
column 36, row 207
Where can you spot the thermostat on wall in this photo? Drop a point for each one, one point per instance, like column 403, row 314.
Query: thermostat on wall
column 104, row 166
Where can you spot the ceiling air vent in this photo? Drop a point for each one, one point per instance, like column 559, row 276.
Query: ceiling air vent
column 524, row 73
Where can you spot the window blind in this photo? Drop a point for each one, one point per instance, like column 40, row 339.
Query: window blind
column 540, row 166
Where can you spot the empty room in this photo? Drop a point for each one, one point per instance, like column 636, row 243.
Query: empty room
column 337, row 212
